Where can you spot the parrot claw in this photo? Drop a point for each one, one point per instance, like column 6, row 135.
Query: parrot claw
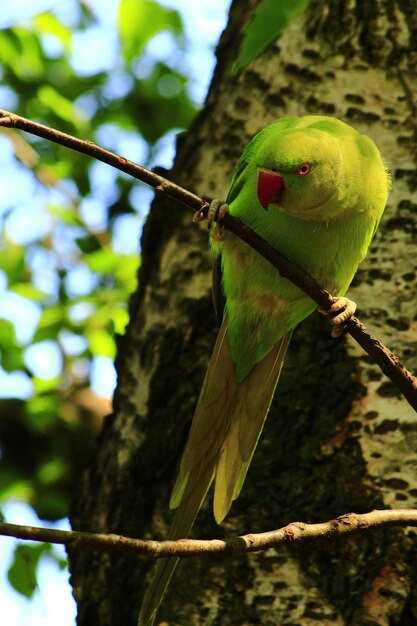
column 217, row 210
column 199, row 216
column 341, row 311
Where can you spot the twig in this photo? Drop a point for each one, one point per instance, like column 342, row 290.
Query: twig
column 389, row 363
column 295, row 532
column 10, row 120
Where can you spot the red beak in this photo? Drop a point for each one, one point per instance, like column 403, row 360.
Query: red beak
column 270, row 185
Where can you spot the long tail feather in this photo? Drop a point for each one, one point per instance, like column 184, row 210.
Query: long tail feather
column 210, row 422
column 226, row 426
column 197, row 465
column 181, row 525
column 252, row 402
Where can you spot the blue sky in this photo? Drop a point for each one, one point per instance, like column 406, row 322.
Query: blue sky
column 204, row 21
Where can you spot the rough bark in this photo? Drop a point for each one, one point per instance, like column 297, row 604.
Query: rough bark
column 338, row 438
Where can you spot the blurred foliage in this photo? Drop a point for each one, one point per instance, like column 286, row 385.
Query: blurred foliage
column 22, row 571
column 59, row 255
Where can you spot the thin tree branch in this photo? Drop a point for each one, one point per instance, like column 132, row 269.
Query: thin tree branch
column 389, row 363
column 298, row 532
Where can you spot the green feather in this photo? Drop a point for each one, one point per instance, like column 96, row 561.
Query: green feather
column 324, row 222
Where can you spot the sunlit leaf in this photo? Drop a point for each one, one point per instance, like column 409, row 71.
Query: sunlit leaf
column 26, row 290
column 49, row 24
column 104, row 260
column 65, row 214
column 61, row 106
column 153, row 114
column 62, row 168
column 46, row 385
column 8, row 47
column 12, row 486
column 12, row 261
column 43, row 407
column 25, row 53
column 51, row 321
column 107, row 316
column 126, row 272
column 140, row 20
column 10, row 352
column 120, row 320
column 101, row 343
column 271, row 18
column 120, row 266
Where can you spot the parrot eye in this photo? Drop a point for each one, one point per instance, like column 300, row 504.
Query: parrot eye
column 304, row 169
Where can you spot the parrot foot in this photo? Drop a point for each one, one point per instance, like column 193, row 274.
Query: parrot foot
column 217, row 210
column 341, row 311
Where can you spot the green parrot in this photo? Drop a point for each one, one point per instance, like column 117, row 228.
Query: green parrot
column 315, row 189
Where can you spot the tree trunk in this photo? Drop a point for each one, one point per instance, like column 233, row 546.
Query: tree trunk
column 339, row 437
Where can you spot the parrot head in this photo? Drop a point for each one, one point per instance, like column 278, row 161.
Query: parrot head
column 298, row 172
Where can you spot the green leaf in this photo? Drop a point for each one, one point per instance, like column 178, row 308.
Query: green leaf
column 51, row 503
column 26, row 290
column 88, row 244
column 104, row 261
column 153, row 114
column 22, row 572
column 52, row 320
column 140, row 20
column 43, row 409
column 101, row 343
column 121, row 267
column 46, row 385
column 17, row 490
column 270, row 20
column 27, row 61
column 12, row 261
column 120, row 319
column 10, row 351
column 52, row 471
column 49, row 24
column 61, row 106
column 111, row 316
column 65, row 214
column 107, row 261
column 64, row 168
